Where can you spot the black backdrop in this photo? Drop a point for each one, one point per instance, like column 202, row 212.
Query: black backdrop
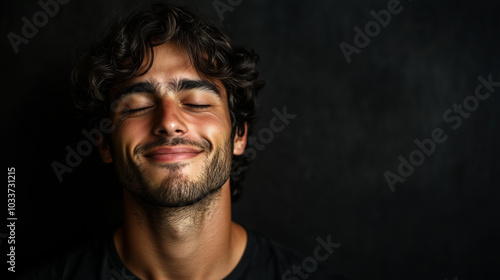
column 323, row 174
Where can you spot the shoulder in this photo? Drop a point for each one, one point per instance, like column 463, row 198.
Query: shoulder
column 266, row 259
column 91, row 260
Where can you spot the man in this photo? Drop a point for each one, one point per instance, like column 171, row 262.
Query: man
column 181, row 99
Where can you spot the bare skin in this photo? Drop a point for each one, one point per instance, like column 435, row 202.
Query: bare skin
column 210, row 250
column 199, row 241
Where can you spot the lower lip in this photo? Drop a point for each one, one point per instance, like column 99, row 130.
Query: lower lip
column 171, row 157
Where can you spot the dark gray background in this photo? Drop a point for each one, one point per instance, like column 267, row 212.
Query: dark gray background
column 323, row 174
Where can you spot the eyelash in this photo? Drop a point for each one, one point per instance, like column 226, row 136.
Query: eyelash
column 131, row 111
column 196, row 106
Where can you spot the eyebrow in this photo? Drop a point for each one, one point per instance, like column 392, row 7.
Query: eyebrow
column 186, row 84
column 175, row 85
column 143, row 87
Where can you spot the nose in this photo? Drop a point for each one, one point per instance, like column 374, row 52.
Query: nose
column 169, row 119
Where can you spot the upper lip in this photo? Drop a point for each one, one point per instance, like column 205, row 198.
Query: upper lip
column 172, row 150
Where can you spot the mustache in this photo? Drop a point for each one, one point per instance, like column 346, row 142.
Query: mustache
column 202, row 144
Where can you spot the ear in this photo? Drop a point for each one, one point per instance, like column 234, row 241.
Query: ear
column 105, row 152
column 240, row 142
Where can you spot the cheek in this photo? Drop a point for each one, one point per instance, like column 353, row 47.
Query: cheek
column 128, row 134
column 216, row 129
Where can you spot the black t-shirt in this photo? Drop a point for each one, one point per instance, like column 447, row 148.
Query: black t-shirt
column 262, row 259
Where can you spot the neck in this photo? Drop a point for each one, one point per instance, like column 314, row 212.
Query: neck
column 194, row 242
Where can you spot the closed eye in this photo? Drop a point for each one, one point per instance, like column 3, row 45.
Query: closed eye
column 198, row 106
column 138, row 110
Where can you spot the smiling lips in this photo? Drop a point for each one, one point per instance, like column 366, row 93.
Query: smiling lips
column 170, row 154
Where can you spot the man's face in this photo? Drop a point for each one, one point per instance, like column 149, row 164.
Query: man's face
column 172, row 141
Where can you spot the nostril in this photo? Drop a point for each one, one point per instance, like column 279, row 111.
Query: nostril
column 162, row 131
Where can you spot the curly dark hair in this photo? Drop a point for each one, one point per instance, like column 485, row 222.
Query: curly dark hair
column 122, row 52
